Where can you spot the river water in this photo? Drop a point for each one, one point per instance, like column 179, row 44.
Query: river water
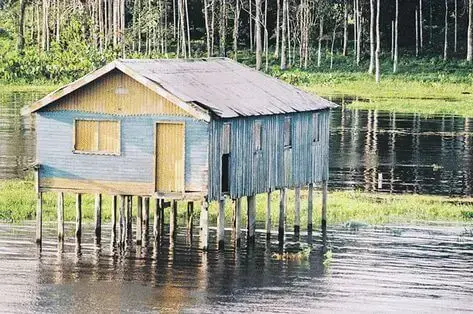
column 389, row 269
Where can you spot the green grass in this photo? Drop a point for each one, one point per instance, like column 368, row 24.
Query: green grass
column 18, row 203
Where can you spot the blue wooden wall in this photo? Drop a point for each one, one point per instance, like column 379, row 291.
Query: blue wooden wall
column 136, row 161
column 274, row 166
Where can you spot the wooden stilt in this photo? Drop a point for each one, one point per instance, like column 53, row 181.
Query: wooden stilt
column 98, row 215
column 204, row 225
column 39, row 217
column 129, row 219
column 145, row 215
column 282, row 213
column 60, row 216
column 237, row 211
column 78, row 216
column 221, row 224
column 190, row 218
column 121, row 219
column 268, row 215
column 324, row 204
column 173, row 220
column 139, row 221
column 251, row 200
column 297, row 211
column 114, row 217
column 310, row 197
column 156, row 219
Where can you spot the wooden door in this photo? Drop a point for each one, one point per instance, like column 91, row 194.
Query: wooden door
column 170, row 137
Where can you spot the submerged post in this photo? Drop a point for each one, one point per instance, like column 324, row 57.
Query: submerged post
column 310, row 197
column 297, row 211
column 190, row 218
column 60, row 216
column 251, row 200
column 39, row 208
column 221, row 224
column 114, row 217
column 173, row 219
column 121, row 219
column 204, row 225
column 324, row 204
column 156, row 218
column 98, row 215
column 282, row 214
column 78, row 216
column 237, row 213
column 129, row 207
column 145, row 215
column 268, row 216
column 139, row 222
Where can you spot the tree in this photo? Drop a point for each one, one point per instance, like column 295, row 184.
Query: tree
column 445, row 47
column 378, row 43
column 21, row 26
column 469, row 53
column 372, row 42
column 258, row 34
column 396, row 35
column 284, row 35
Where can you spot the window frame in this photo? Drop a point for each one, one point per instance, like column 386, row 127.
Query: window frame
column 289, row 135
column 102, row 153
column 224, row 141
column 315, row 127
column 257, row 146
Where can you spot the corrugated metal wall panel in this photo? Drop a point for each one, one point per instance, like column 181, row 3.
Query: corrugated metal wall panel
column 275, row 166
column 136, row 160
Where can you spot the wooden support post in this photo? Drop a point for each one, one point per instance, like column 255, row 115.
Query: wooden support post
column 268, row 215
column 297, row 212
column 129, row 217
column 324, row 204
column 114, row 217
column 157, row 218
column 60, row 216
column 310, row 197
column 78, row 216
column 121, row 219
column 237, row 213
column 139, row 222
column 282, row 213
column 251, row 200
column 39, row 217
column 221, row 224
column 146, row 215
column 204, row 225
column 98, row 215
column 190, row 218
column 173, row 220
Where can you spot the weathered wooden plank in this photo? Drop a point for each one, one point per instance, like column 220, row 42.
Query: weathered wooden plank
column 157, row 218
column 129, row 217
column 251, row 219
column 98, row 216
column 78, row 216
column 173, row 220
column 204, row 225
column 324, row 204
column 268, row 215
column 282, row 213
column 122, row 227
column 190, row 218
column 146, row 215
column 96, row 186
column 237, row 213
column 310, row 206
column 114, row 217
column 139, row 221
column 297, row 211
column 39, row 218
column 60, row 216
column 221, row 224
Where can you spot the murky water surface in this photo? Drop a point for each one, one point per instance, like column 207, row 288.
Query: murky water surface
column 411, row 153
column 390, row 269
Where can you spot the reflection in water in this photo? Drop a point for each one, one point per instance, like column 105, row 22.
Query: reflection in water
column 377, row 269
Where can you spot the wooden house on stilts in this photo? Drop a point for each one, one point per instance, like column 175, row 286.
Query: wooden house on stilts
column 179, row 130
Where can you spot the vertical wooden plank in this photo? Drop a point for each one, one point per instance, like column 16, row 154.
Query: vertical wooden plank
column 39, row 218
column 204, row 225
column 98, row 215
column 251, row 219
column 237, row 213
column 282, row 213
column 139, row 221
column 145, row 215
column 156, row 218
column 78, row 216
column 297, row 211
column 324, row 204
column 173, row 220
column 268, row 215
column 114, row 217
column 310, row 197
column 221, row 224
column 190, row 218
column 60, row 216
column 129, row 207
column 122, row 233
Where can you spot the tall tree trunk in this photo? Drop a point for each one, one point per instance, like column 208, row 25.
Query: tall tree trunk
column 236, row 24
column 212, row 28
column 277, row 30
column 284, row 35
column 258, row 34
column 58, row 20
column 396, row 35
column 355, row 26
column 378, row 42
column 360, row 32
column 417, row 32
column 455, row 43
column 207, row 27
column 116, row 5
column 188, row 29
column 21, row 26
column 266, row 39
column 251, row 24
column 45, row 42
column 333, row 46
column 469, row 44
column 223, row 28
column 321, row 33
column 372, row 42
column 392, row 40
column 182, row 29
column 445, row 46
column 122, row 28
column 421, row 25
column 345, row 28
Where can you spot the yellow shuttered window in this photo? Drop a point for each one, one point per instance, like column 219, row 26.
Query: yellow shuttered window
column 97, row 137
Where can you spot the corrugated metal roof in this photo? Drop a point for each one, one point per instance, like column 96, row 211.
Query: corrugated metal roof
column 226, row 87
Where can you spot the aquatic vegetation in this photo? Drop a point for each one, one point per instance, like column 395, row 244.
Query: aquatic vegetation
column 301, row 255
column 328, row 258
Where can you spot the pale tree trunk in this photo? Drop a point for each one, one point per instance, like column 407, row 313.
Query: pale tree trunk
column 21, row 26
column 223, row 27
column 392, row 40
column 372, row 42
column 212, row 28
column 421, row 26
column 355, row 25
column 417, row 32
column 115, row 23
column 277, row 30
column 360, row 32
column 321, row 33
column 258, row 34
column 101, row 25
column 188, row 29
column 396, row 35
column 251, row 24
column 266, row 39
column 445, row 46
column 455, row 43
column 122, row 28
column 58, row 20
column 378, row 42
column 182, row 30
column 207, row 28
column 333, row 46
column 45, row 42
column 236, row 23
column 288, row 26
column 283, row 38
column 469, row 44
column 345, row 28
column 174, row 19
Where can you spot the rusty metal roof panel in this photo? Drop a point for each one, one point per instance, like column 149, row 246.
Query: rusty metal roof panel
column 226, row 87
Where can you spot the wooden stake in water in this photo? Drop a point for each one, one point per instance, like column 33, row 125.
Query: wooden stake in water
column 251, row 200
column 297, row 211
column 190, row 218
column 173, row 220
column 60, row 216
column 268, row 216
column 98, row 216
column 129, row 217
column 114, row 217
column 324, row 204
column 204, row 225
column 156, row 219
column 145, row 215
column 139, row 222
column 121, row 219
column 78, row 216
column 282, row 213
column 310, row 198
column 221, row 224
column 237, row 210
